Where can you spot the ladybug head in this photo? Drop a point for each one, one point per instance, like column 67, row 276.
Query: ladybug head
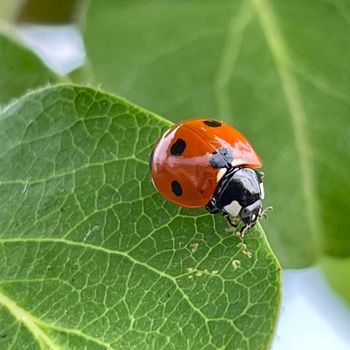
column 238, row 195
column 250, row 214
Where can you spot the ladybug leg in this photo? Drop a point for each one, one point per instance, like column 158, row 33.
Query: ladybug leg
column 263, row 213
column 234, row 227
column 244, row 230
column 233, row 224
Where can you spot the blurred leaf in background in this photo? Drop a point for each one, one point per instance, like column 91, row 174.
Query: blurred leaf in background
column 337, row 271
column 8, row 9
column 20, row 69
column 278, row 71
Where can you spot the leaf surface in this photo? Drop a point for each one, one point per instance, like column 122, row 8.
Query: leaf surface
column 276, row 70
column 91, row 256
column 336, row 271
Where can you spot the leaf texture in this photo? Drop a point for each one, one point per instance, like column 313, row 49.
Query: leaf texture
column 92, row 257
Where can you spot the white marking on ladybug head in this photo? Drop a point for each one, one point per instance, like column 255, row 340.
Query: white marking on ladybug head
column 262, row 191
column 220, row 174
column 233, row 208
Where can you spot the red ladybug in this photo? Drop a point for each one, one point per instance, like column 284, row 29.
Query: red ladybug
column 203, row 162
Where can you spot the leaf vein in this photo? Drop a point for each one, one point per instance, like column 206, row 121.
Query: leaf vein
column 297, row 114
column 233, row 44
column 27, row 320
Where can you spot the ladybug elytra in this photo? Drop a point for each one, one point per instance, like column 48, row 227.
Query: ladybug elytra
column 203, row 162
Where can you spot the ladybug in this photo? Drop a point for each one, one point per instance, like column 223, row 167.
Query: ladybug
column 203, row 162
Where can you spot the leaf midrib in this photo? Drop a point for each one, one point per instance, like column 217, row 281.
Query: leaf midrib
column 35, row 325
column 297, row 114
column 237, row 25
column 134, row 261
column 26, row 318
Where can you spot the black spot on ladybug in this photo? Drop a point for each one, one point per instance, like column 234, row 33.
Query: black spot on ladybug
column 212, row 123
column 151, row 159
column 176, row 188
column 178, row 147
column 222, row 158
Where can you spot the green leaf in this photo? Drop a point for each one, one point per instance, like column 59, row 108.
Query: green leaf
column 8, row 9
column 91, row 256
column 336, row 271
column 277, row 70
column 20, row 69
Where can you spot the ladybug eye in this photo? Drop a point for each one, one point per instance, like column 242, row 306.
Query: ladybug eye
column 212, row 123
column 176, row 188
column 178, row 147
